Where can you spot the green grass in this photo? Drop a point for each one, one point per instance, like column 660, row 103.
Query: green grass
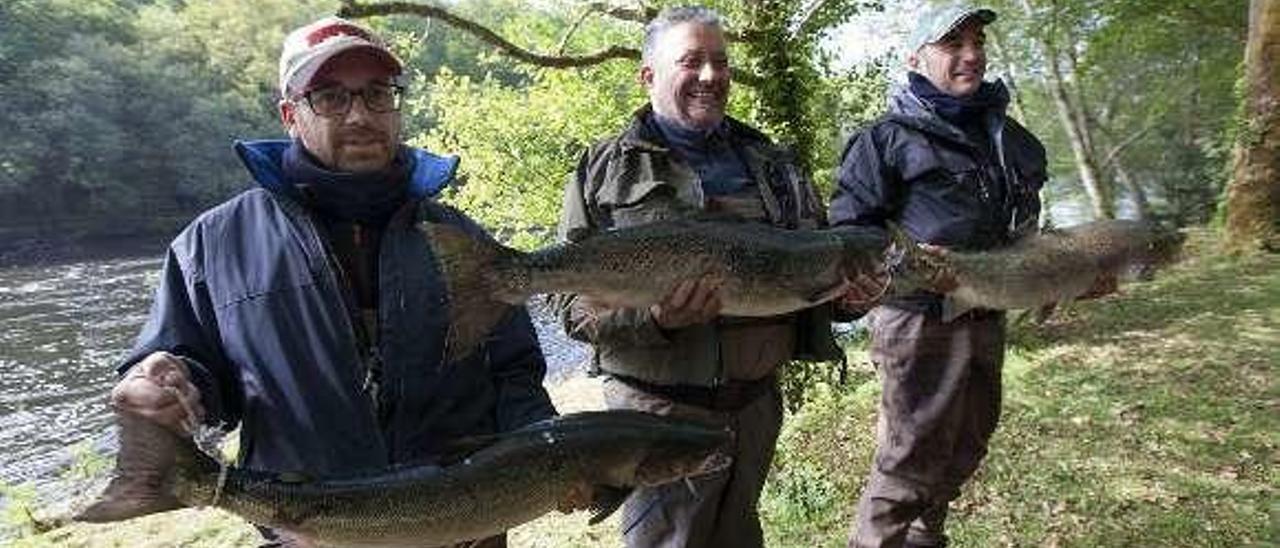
column 1147, row 419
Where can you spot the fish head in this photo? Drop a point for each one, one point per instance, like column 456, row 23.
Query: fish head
column 1161, row 249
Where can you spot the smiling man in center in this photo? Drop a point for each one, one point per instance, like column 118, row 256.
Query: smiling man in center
column 681, row 156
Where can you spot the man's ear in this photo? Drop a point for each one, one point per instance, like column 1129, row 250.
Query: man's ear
column 913, row 60
column 288, row 115
column 646, row 76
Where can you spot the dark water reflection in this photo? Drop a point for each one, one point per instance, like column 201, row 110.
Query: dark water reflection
column 63, row 327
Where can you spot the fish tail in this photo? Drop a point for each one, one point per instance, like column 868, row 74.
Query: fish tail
column 476, row 264
column 473, row 270
column 147, row 467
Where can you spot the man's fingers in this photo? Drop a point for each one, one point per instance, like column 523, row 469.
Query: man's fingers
column 864, row 289
column 704, row 291
column 868, row 285
column 679, row 296
column 141, row 392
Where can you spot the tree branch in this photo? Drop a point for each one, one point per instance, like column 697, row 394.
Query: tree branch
column 568, row 34
column 636, row 15
column 1116, row 150
column 355, row 9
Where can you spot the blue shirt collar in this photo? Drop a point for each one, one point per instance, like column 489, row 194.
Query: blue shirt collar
column 264, row 160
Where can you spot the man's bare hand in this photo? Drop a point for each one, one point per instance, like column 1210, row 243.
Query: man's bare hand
column 691, row 302
column 159, row 388
column 865, row 291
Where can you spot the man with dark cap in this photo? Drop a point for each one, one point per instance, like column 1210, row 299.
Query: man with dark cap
column 310, row 311
column 953, row 171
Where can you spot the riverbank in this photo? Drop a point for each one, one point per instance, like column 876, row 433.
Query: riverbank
column 28, row 246
column 1146, row 419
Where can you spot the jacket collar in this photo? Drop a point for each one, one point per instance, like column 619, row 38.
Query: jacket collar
column 642, row 133
column 263, row 159
column 910, row 110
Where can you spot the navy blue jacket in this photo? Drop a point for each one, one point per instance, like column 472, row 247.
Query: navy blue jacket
column 916, row 169
column 249, row 299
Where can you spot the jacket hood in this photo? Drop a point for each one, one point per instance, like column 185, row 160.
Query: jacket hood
column 910, row 110
column 264, row 160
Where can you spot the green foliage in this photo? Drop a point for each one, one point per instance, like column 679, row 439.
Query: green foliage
column 799, row 493
column 519, row 145
column 86, row 464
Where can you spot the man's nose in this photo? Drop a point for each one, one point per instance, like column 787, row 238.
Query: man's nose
column 708, row 72
column 359, row 110
column 972, row 52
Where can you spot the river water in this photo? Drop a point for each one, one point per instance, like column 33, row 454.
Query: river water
column 62, row 329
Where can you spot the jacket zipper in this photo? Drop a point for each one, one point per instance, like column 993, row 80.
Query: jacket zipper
column 372, row 385
column 366, row 351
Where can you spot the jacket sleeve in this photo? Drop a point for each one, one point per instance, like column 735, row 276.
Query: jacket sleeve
column 868, row 191
column 581, row 320
column 518, row 368
column 182, row 323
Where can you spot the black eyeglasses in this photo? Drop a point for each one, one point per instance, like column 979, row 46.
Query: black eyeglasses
column 336, row 100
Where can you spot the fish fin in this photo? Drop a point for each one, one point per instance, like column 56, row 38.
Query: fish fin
column 150, row 457
column 476, row 302
column 1045, row 312
column 827, row 293
column 605, row 500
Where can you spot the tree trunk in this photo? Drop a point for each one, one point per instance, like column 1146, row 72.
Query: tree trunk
column 1141, row 206
column 1086, row 164
column 1074, row 122
column 1253, row 199
column 996, row 41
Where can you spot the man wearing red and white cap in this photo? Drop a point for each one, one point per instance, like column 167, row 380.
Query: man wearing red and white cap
column 309, row 311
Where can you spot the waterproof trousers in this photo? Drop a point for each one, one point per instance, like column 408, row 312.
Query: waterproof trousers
column 939, row 406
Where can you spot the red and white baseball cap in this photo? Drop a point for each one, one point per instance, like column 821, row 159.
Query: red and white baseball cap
column 307, row 48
